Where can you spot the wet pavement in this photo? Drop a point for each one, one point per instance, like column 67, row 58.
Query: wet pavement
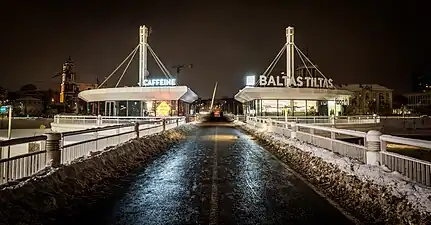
column 218, row 175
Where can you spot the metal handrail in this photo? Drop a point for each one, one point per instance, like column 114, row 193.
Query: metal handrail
column 21, row 140
column 21, row 156
column 108, row 136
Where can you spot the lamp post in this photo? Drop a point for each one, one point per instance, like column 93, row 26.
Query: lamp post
column 7, row 109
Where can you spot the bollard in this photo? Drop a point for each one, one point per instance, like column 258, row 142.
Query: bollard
column 373, row 147
column 137, row 129
column 294, row 129
column 99, row 120
column 52, row 146
column 164, row 124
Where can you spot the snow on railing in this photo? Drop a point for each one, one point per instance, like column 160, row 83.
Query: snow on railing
column 62, row 148
column 105, row 120
column 370, row 147
column 362, row 119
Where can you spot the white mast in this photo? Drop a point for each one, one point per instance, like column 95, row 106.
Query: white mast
column 214, row 92
column 143, row 36
column 290, row 54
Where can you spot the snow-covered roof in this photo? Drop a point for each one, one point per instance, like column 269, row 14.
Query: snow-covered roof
column 359, row 87
column 251, row 93
column 139, row 94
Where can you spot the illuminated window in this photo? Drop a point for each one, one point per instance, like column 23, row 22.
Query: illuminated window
column 285, row 106
column 312, row 109
column 299, row 107
column 269, row 107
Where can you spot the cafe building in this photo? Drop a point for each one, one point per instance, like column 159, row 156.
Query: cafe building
column 157, row 97
column 300, row 91
column 304, row 96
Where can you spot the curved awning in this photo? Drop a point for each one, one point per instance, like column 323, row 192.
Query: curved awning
column 251, row 93
column 139, row 94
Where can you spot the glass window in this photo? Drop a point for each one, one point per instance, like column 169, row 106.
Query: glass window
column 148, row 108
column 285, row 106
column 312, row 108
column 269, row 107
column 122, row 108
column 331, row 108
column 299, row 107
column 258, row 107
column 134, row 108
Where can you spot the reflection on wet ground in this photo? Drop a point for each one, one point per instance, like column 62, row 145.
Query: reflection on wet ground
column 217, row 176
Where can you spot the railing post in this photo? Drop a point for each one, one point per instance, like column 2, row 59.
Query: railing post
column 137, row 129
column 177, row 122
column 164, row 124
column 373, row 147
column 52, row 146
column 268, row 124
column 99, row 120
column 294, row 129
column 333, row 137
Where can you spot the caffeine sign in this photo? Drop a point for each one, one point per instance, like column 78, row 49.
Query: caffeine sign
column 283, row 81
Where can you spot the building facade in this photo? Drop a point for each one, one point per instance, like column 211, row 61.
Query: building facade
column 419, row 103
column 306, row 94
column 369, row 99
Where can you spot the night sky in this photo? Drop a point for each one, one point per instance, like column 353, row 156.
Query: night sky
column 361, row 42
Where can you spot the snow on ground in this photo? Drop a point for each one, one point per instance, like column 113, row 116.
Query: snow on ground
column 54, row 188
column 417, row 195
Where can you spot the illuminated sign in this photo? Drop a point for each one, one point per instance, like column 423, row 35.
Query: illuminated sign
column 283, row 81
column 250, row 80
column 160, row 82
column 163, row 109
column 4, row 109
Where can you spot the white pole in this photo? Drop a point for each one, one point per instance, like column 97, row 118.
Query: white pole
column 212, row 101
column 143, row 36
column 290, row 54
column 9, row 130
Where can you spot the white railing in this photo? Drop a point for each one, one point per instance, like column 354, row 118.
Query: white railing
column 415, row 169
column 364, row 119
column 371, row 147
column 104, row 120
column 71, row 145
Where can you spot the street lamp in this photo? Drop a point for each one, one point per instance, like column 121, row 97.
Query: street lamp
column 4, row 110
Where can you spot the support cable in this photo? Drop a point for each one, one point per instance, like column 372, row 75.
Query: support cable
column 299, row 50
column 118, row 67
column 274, row 61
column 159, row 62
column 127, row 66
column 303, row 62
column 273, row 65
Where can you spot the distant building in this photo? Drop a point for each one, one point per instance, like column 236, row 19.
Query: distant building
column 369, row 99
column 3, row 95
column 230, row 105
column 83, row 106
column 69, row 89
column 422, row 82
column 419, row 103
column 29, row 101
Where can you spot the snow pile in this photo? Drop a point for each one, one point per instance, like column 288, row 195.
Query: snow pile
column 51, row 189
column 373, row 194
